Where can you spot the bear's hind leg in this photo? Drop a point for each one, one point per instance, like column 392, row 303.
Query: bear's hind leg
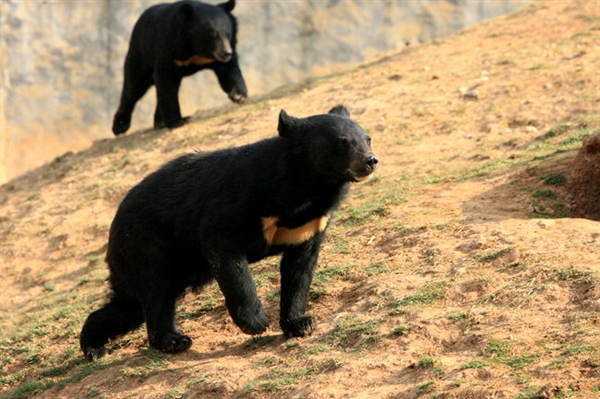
column 135, row 84
column 117, row 317
column 159, row 309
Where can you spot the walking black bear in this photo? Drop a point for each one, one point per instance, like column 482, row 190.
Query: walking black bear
column 208, row 215
column 171, row 41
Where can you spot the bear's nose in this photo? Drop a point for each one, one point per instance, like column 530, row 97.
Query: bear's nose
column 371, row 161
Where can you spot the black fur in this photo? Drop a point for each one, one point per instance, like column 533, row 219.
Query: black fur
column 164, row 42
column 206, row 215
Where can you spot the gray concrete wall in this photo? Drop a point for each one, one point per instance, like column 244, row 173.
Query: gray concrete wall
column 62, row 59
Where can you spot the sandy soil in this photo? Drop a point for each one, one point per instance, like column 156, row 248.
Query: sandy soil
column 461, row 270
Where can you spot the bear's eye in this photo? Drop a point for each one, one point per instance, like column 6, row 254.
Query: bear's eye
column 342, row 141
column 369, row 140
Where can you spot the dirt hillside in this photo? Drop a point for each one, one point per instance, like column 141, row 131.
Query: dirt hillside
column 461, row 270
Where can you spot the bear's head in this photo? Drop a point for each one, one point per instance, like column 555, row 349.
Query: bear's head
column 333, row 148
column 211, row 29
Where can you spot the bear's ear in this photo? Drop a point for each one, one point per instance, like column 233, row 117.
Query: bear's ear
column 229, row 6
column 340, row 110
column 186, row 10
column 286, row 124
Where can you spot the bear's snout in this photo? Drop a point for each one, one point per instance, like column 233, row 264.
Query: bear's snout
column 223, row 56
column 371, row 161
column 224, row 52
column 362, row 168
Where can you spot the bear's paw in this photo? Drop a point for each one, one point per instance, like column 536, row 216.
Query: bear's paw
column 173, row 342
column 94, row 353
column 300, row 327
column 253, row 321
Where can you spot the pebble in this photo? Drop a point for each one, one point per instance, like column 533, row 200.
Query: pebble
column 472, row 94
column 471, row 245
column 468, row 94
column 532, row 129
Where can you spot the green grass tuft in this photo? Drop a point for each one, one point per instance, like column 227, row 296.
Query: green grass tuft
column 427, row 362
column 426, row 295
column 355, row 333
column 473, row 364
column 554, row 179
column 548, row 194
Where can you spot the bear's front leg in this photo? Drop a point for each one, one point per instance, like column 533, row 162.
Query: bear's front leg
column 231, row 81
column 241, row 299
column 159, row 120
column 297, row 270
column 168, row 113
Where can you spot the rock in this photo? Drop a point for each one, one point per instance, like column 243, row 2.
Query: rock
column 472, row 95
column 472, row 245
column 545, row 223
column 532, row 129
column 507, row 258
column 540, row 209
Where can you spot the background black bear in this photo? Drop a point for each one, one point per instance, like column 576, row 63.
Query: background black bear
column 208, row 215
column 171, row 41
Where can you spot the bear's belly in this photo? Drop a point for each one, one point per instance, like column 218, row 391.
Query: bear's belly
column 275, row 235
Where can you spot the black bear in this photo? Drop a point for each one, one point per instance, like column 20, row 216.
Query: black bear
column 206, row 216
column 171, row 41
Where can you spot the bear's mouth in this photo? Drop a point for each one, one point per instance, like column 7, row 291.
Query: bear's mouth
column 362, row 171
column 222, row 56
column 359, row 178
column 361, row 175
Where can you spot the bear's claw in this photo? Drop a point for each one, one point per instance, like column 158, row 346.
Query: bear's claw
column 121, row 123
column 255, row 324
column 94, row 353
column 300, row 327
column 173, row 343
column 238, row 98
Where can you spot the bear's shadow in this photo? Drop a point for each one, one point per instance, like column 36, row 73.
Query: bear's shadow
column 247, row 349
